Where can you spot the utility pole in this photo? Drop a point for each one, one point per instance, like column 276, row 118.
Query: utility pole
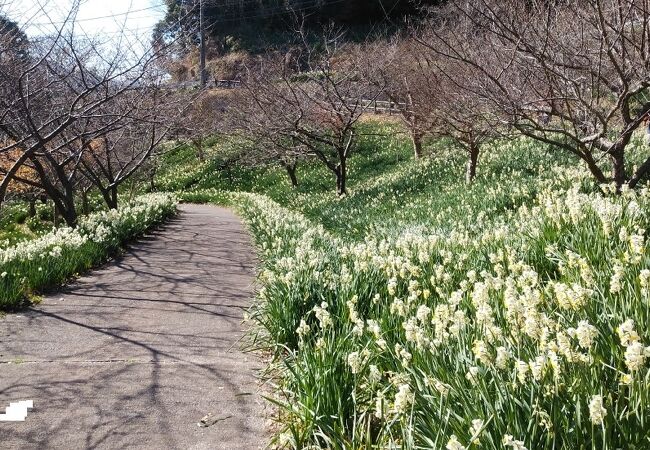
column 203, row 73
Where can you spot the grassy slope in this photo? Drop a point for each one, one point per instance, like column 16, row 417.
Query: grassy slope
column 417, row 304
column 387, row 187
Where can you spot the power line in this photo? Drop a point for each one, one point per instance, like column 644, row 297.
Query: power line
column 303, row 5
column 125, row 31
column 122, row 32
column 44, row 30
column 270, row 12
column 109, row 16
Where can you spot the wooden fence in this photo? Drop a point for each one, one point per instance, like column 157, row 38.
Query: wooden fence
column 227, row 84
column 383, row 106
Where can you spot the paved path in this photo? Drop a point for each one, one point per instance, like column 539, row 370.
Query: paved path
column 136, row 353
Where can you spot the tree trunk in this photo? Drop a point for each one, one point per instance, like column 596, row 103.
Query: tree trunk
column 593, row 167
column 64, row 207
column 152, row 181
column 341, row 179
column 416, row 138
column 618, row 167
column 67, row 207
column 199, row 150
column 291, row 171
column 32, row 207
column 132, row 191
column 472, row 162
column 85, row 207
column 70, row 217
column 639, row 174
column 110, row 197
column 113, row 192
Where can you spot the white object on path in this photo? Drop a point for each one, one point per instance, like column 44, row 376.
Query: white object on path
column 17, row 411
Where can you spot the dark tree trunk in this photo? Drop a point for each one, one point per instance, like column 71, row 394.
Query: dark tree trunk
column 114, row 197
column 152, row 181
column 69, row 212
column 416, row 139
column 32, row 207
column 472, row 163
column 70, row 217
column 85, row 207
column 62, row 196
column 593, row 167
column 640, row 173
column 64, row 205
column 618, row 167
column 199, row 150
column 341, row 178
column 291, row 171
column 63, row 208
column 110, row 197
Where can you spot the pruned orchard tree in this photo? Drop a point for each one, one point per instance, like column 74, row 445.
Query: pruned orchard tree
column 113, row 158
column 467, row 119
column 204, row 118
column 574, row 74
column 263, row 149
column 401, row 73
column 428, row 100
column 262, row 126
column 318, row 111
column 57, row 99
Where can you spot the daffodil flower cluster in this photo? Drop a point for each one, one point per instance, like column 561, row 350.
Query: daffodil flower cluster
column 448, row 319
column 514, row 317
column 55, row 256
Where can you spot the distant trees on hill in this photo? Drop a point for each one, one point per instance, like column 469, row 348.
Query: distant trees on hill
column 14, row 43
column 254, row 24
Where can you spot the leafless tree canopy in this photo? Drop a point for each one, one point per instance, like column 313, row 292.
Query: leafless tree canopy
column 314, row 113
column 574, row 74
column 72, row 108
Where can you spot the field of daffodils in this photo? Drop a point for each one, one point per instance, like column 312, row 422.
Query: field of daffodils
column 52, row 258
column 420, row 313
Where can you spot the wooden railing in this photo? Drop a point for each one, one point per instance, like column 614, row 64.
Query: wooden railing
column 227, row 84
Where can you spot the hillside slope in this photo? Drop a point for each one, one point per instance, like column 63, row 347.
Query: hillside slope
column 419, row 312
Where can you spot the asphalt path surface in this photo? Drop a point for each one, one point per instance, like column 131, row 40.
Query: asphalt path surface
column 136, row 353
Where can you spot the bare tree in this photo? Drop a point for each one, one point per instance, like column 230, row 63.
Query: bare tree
column 574, row 74
column 315, row 112
column 429, row 102
column 400, row 73
column 460, row 115
column 203, row 118
column 114, row 157
column 57, row 100
column 264, row 148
